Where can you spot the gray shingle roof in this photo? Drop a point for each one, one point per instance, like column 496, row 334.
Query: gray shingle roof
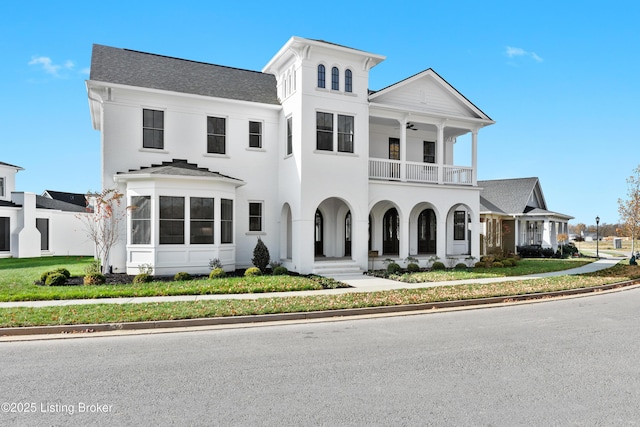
column 47, row 203
column 177, row 167
column 133, row 68
column 509, row 195
column 73, row 198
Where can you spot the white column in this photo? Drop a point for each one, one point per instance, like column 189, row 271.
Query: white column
column 546, row 234
column 516, row 235
column 403, row 149
column 474, row 156
column 440, row 152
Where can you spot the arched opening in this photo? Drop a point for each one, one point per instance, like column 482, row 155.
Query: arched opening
column 427, row 232
column 391, row 232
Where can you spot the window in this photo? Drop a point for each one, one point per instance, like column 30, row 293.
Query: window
column 321, row 76
column 171, row 220
column 153, row 129
column 348, row 81
column 429, row 151
column 226, row 221
column 216, row 135
column 141, row 220
column 255, row 216
column 335, row 79
column 2, row 187
column 289, row 135
column 42, row 224
column 255, row 134
column 201, row 220
column 324, row 131
column 345, row 133
column 459, row 224
column 394, row 149
column 4, row 234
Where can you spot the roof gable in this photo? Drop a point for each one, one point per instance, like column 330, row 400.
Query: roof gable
column 513, row 196
column 140, row 69
column 428, row 92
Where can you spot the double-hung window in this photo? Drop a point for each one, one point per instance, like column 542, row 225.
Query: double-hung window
column 345, row 133
column 335, row 78
column 202, row 217
column 152, row 129
column 324, row 131
column 216, row 135
column 321, row 76
column 255, row 216
column 141, row 220
column 255, row 134
column 348, row 81
column 429, row 151
column 226, row 221
column 171, row 220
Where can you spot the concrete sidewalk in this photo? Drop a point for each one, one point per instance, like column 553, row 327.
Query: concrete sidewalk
column 358, row 283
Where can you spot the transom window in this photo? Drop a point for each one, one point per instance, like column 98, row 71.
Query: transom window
column 324, row 131
column 321, row 76
column 255, row 134
column 141, row 220
column 201, row 224
column 216, row 135
column 152, row 129
column 345, row 133
column 335, row 78
column 348, row 81
column 255, row 216
column 171, row 220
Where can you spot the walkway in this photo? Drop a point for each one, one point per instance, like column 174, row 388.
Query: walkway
column 359, row 283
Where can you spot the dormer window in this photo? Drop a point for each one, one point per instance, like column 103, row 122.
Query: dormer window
column 321, row 76
column 348, row 81
column 335, row 78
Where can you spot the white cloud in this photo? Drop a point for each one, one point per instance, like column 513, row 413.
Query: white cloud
column 512, row 52
column 49, row 67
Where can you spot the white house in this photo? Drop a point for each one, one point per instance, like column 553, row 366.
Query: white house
column 331, row 175
column 514, row 213
column 34, row 226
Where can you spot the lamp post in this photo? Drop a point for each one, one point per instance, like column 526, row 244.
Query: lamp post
column 597, row 237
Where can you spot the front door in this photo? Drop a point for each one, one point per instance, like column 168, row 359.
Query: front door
column 390, row 239
column 427, row 232
column 319, row 246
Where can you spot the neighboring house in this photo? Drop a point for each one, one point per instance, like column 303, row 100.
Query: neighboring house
column 514, row 213
column 302, row 155
column 73, row 198
column 34, row 226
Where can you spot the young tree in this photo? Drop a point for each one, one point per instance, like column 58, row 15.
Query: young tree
column 103, row 226
column 629, row 209
column 261, row 256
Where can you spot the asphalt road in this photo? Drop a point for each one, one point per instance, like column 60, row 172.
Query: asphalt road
column 557, row 363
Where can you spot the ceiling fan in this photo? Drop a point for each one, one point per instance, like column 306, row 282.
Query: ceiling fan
column 410, row 126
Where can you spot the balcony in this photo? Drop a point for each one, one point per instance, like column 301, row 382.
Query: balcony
column 395, row 170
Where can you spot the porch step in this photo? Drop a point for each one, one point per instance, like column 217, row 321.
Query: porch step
column 336, row 268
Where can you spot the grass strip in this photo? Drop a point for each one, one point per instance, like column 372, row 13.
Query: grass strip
column 116, row 313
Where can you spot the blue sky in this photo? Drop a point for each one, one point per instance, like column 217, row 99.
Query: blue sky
column 562, row 81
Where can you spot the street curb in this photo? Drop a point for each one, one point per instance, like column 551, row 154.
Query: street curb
column 262, row 318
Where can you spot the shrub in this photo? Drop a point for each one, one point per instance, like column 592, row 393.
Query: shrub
column 412, row 267
column 280, row 271
column 252, row 271
column 460, row 266
column 94, row 279
column 43, row 276
column 215, row 263
column 217, row 273
column 142, row 278
column 92, row 267
column 261, row 256
column 63, row 271
column 145, row 269
column 480, row 264
column 182, row 275
column 55, row 279
column 509, row 262
column 393, row 268
column 438, row 266
column 498, row 264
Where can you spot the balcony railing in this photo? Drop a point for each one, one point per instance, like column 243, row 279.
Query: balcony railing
column 419, row 172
